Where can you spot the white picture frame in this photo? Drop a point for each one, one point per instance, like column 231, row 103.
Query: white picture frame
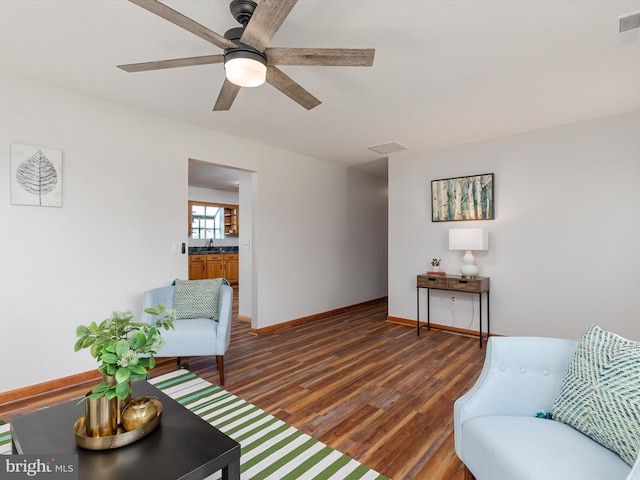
column 36, row 175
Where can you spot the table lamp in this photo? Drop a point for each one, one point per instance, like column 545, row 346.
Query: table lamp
column 468, row 239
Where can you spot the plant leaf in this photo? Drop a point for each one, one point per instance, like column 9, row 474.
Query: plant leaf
column 121, row 347
column 101, row 387
column 122, row 390
column 78, row 345
column 123, row 374
column 138, row 340
column 138, row 369
column 109, row 358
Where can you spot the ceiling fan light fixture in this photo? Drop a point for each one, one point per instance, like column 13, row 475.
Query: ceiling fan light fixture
column 245, row 68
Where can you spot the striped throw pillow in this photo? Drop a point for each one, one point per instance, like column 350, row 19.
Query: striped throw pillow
column 600, row 394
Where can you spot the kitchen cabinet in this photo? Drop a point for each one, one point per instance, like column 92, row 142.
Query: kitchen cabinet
column 231, row 220
column 197, row 267
column 214, row 265
column 231, row 267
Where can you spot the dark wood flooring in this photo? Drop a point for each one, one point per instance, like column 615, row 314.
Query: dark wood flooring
column 366, row 387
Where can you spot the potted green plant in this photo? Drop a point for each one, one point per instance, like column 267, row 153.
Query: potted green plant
column 435, row 263
column 124, row 348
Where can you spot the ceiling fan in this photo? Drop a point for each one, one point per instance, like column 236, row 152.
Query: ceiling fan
column 247, row 59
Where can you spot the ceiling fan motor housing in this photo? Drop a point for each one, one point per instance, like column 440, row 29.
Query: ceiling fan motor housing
column 242, row 10
column 242, row 51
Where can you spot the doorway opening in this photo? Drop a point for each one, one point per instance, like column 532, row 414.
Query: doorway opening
column 233, row 191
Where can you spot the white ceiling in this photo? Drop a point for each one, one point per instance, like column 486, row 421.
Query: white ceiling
column 445, row 72
column 205, row 175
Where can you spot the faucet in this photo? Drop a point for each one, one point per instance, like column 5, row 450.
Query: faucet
column 210, row 243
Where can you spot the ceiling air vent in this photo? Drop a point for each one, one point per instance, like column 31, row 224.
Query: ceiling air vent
column 628, row 22
column 628, row 28
column 387, row 148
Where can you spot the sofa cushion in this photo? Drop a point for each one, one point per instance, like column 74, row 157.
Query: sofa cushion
column 529, row 448
column 197, row 298
column 191, row 337
column 600, row 394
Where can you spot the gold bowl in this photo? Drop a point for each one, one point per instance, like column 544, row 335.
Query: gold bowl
column 123, row 437
column 138, row 412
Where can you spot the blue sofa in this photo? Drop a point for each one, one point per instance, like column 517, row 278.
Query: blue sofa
column 497, row 434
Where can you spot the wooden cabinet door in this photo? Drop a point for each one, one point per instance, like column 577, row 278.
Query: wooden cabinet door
column 215, row 266
column 197, row 267
column 231, row 268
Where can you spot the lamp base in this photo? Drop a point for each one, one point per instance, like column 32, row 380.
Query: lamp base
column 468, row 269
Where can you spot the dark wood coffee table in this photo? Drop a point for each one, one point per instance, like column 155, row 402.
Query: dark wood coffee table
column 182, row 447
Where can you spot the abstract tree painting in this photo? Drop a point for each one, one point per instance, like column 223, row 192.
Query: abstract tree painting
column 462, row 198
column 36, row 175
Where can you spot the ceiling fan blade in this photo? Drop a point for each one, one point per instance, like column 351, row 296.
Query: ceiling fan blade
column 180, row 20
column 265, row 22
column 335, row 57
column 227, row 95
column 173, row 63
column 291, row 89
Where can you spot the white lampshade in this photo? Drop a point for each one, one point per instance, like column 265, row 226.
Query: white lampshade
column 245, row 72
column 468, row 239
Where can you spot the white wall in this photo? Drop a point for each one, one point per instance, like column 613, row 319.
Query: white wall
column 317, row 231
column 124, row 198
column 247, row 302
column 562, row 249
column 213, row 195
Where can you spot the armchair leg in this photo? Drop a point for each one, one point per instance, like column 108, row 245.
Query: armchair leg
column 467, row 474
column 220, row 360
column 184, row 365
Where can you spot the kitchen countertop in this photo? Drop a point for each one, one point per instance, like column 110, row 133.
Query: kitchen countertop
column 211, row 250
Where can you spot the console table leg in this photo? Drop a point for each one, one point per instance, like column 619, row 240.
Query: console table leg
column 418, row 310
column 428, row 309
column 488, row 318
column 480, row 327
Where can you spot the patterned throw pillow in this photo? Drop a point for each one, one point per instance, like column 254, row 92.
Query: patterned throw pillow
column 197, row 298
column 600, row 393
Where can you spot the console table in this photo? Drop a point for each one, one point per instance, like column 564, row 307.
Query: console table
column 454, row 283
column 183, row 446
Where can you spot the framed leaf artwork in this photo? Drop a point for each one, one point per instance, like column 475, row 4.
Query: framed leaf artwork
column 36, row 175
column 462, row 198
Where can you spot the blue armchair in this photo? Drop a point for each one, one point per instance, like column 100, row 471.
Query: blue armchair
column 497, row 435
column 194, row 336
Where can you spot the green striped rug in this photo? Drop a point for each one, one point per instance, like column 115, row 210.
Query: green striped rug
column 271, row 449
column 5, row 439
